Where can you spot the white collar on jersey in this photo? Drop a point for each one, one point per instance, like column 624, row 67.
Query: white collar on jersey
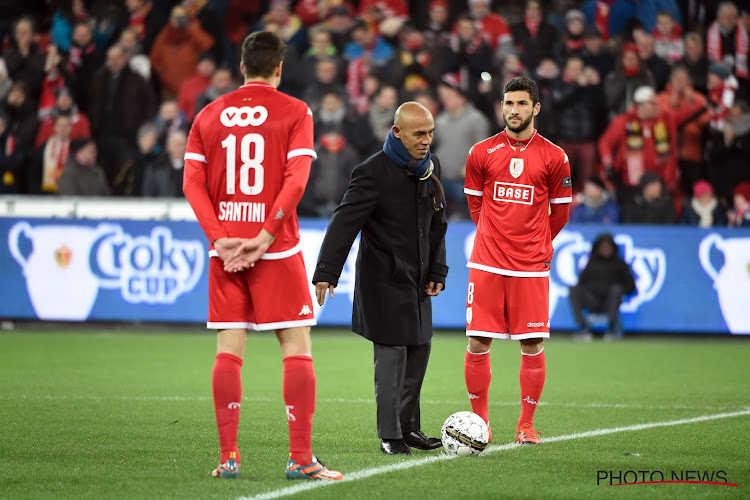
column 523, row 148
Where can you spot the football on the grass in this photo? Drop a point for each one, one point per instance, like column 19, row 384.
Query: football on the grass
column 464, row 433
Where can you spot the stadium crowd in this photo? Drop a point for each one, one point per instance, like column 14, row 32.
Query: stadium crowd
column 649, row 99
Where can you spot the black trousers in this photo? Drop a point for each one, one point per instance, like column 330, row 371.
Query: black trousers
column 399, row 372
column 584, row 298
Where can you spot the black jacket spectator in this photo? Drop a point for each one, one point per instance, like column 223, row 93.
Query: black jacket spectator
column 596, row 54
column 82, row 176
column 533, row 49
column 729, row 158
column 602, row 284
column 602, row 271
column 652, row 205
column 162, row 179
column 23, row 123
column 574, row 114
column 469, row 55
column 147, row 17
column 11, row 159
column 120, row 103
column 329, row 176
column 620, row 84
column 83, row 61
column 27, row 68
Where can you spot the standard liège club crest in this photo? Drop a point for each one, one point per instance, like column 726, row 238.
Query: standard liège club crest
column 516, row 167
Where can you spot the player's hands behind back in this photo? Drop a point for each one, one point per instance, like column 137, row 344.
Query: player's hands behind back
column 227, row 246
column 247, row 252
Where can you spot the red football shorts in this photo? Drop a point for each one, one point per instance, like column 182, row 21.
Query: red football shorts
column 506, row 307
column 272, row 295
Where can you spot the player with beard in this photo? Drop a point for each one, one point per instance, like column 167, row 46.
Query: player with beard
column 519, row 188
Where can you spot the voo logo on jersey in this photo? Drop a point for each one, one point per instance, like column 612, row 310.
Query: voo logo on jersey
column 513, row 193
column 244, row 116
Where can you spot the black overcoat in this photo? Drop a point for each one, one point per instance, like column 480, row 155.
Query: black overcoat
column 401, row 249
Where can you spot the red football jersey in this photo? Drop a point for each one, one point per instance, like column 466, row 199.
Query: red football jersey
column 241, row 144
column 517, row 182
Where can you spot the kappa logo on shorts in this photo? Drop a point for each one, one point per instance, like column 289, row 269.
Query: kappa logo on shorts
column 305, row 311
column 469, row 315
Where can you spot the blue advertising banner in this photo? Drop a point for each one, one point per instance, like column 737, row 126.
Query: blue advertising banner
column 688, row 279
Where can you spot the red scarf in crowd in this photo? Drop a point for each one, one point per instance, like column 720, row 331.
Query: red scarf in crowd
column 10, row 145
column 721, row 98
column 138, row 20
column 671, row 45
column 741, row 44
column 601, row 18
column 54, row 157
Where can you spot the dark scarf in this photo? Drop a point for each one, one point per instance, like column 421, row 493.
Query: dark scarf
column 429, row 185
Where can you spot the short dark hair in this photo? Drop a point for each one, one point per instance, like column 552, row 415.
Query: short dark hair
column 522, row 83
column 262, row 51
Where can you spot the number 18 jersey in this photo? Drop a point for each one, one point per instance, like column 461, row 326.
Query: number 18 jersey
column 243, row 141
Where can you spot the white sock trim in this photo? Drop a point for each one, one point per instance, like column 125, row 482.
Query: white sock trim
column 477, row 353
column 537, row 354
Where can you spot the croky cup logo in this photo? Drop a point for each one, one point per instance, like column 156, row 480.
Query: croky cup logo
column 66, row 265
column 155, row 268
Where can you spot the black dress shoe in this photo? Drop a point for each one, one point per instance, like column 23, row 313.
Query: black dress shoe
column 419, row 441
column 394, row 447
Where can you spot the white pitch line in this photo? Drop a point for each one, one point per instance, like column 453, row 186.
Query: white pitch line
column 635, row 406
column 363, row 474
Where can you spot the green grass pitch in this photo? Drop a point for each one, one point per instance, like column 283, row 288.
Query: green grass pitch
column 128, row 414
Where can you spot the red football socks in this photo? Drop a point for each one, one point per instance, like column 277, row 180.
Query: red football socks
column 299, row 397
column 478, row 373
column 531, row 377
column 226, row 381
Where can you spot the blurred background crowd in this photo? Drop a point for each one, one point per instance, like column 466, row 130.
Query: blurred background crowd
column 649, row 98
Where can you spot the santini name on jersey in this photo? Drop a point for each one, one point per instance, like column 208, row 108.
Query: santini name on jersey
column 242, row 211
column 514, row 193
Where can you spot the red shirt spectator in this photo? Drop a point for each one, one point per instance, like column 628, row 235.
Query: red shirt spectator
column 195, row 86
column 176, row 49
column 641, row 140
column 386, row 8
column 493, row 27
column 64, row 105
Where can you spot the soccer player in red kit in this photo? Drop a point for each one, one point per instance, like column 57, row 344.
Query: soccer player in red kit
column 246, row 166
column 518, row 186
